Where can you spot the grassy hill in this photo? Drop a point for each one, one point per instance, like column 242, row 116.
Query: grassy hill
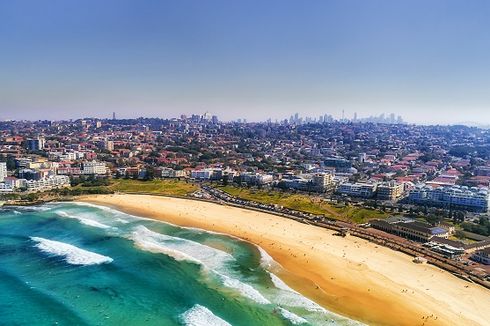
column 306, row 203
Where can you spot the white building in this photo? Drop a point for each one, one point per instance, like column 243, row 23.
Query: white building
column 358, row 189
column 94, row 168
column 57, row 181
column 171, row 173
column 15, row 183
column 256, row 178
column 3, row 171
column 472, row 199
column 5, row 187
column 205, row 174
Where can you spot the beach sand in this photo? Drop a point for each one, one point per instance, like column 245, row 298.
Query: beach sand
column 349, row 276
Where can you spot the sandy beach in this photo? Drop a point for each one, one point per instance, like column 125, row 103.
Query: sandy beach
column 350, row 276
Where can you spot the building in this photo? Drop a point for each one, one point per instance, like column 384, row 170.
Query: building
column 340, row 164
column 94, row 168
column 35, row 144
column 457, row 197
column 446, row 247
column 410, row 229
column 255, row 178
column 298, row 182
column 6, row 187
column 322, row 181
column 29, row 174
column 390, row 191
column 15, row 183
column 483, row 171
column 3, row 171
column 204, row 174
column 109, row 145
column 171, row 173
column 358, row 189
column 53, row 182
column 482, row 256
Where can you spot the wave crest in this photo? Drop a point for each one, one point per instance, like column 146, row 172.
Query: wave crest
column 213, row 260
column 73, row 255
column 293, row 318
column 84, row 220
column 202, row 316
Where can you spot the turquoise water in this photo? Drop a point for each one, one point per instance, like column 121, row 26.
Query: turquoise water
column 80, row 264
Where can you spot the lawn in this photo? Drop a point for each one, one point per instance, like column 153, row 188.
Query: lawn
column 157, row 187
column 305, row 203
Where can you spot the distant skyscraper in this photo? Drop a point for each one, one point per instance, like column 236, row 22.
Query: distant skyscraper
column 355, row 116
column 113, row 115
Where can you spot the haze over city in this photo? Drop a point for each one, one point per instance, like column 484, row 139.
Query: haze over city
column 426, row 61
column 244, row 162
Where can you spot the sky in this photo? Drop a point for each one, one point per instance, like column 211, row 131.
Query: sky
column 428, row 61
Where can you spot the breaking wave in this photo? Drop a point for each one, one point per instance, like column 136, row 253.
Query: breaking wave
column 73, row 255
column 213, row 260
column 293, row 318
column 202, row 316
column 84, row 220
column 194, row 251
column 291, row 298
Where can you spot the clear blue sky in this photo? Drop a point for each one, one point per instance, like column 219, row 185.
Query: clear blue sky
column 428, row 60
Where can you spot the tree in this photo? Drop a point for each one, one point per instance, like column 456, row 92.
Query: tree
column 459, row 234
column 434, row 219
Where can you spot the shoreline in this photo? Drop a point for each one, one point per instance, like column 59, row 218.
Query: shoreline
column 335, row 272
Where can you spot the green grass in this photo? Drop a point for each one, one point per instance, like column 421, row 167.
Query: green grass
column 305, row 203
column 170, row 187
column 157, row 187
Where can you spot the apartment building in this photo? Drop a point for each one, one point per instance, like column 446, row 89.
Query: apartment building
column 52, row 182
column 459, row 197
column 171, row 173
column 358, row 189
column 322, row 181
column 390, row 191
column 94, row 168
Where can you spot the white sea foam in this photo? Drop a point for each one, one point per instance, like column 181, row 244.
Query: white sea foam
column 84, row 220
column 121, row 216
column 202, row 316
column 73, row 255
column 151, row 245
column 210, row 257
column 213, row 260
column 291, row 298
column 278, row 283
column 266, row 261
column 293, row 318
column 244, row 289
column 42, row 208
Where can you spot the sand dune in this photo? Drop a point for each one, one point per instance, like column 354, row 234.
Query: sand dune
column 349, row 276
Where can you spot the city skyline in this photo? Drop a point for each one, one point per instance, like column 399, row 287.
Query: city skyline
column 252, row 60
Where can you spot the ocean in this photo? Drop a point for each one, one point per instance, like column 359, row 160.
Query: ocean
column 81, row 264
